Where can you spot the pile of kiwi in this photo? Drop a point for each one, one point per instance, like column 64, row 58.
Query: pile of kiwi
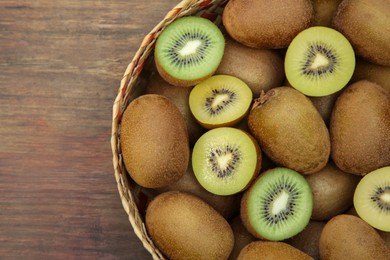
column 268, row 136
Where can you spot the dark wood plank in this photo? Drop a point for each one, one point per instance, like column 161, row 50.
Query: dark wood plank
column 60, row 67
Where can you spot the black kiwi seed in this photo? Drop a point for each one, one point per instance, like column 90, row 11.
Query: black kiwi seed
column 376, row 198
column 312, row 53
column 233, row 162
column 181, row 40
column 232, row 96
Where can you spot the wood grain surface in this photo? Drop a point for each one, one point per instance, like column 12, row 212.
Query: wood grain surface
column 61, row 62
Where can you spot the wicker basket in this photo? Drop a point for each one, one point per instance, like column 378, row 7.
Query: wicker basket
column 135, row 198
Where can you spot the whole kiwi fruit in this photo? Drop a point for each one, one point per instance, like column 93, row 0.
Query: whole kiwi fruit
column 154, row 141
column 349, row 237
column 366, row 25
column 260, row 69
column 183, row 226
column 290, row 130
column 271, row 250
column 360, row 128
column 332, row 190
column 266, row 24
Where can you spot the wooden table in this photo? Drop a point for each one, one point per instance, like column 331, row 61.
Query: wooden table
column 61, row 62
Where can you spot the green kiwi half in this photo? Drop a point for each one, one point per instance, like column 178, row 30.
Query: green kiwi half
column 225, row 160
column 278, row 205
column 319, row 61
column 189, row 50
column 372, row 198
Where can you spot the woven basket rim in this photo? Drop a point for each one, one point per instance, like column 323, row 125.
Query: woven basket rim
column 128, row 81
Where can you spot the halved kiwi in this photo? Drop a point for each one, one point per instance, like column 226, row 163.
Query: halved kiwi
column 221, row 100
column 225, row 160
column 319, row 61
column 189, row 50
column 278, row 205
column 372, row 198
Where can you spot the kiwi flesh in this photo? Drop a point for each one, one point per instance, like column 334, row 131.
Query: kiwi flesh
column 183, row 226
column 278, row 205
column 360, row 127
column 378, row 74
column 332, row 190
column 308, row 239
column 179, row 96
column 349, row 237
column 221, row 100
column 290, row 130
column 266, row 24
column 372, row 198
column 365, row 23
column 319, row 61
column 271, row 250
column 154, row 141
column 188, row 51
column 226, row 160
column 227, row 206
column 260, row 69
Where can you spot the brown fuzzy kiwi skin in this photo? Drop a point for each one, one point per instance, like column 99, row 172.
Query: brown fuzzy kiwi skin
column 179, row 96
column 385, row 235
column 360, row 127
column 245, row 217
column 241, row 237
column 271, row 251
column 332, row 190
column 154, row 141
column 324, row 11
column 266, row 24
column 227, row 206
column 373, row 72
column 183, row 226
column 308, row 239
column 365, row 23
column 285, row 121
column 349, row 237
column 260, row 69
column 325, row 104
column 175, row 81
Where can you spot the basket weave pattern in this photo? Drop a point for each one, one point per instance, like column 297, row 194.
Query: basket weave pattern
column 133, row 198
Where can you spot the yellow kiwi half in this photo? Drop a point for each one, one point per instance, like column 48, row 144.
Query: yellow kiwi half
column 221, row 100
column 372, row 198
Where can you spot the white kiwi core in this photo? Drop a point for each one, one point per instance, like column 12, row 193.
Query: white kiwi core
column 385, row 197
column 280, row 203
column 190, row 47
column 319, row 61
